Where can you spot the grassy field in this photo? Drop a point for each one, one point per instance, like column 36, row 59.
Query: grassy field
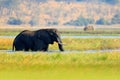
column 62, row 66
column 13, row 31
column 59, row 66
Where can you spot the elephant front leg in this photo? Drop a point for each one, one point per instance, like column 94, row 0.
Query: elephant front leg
column 46, row 47
column 60, row 47
column 40, row 46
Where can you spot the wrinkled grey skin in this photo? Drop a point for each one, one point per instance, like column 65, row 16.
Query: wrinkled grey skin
column 38, row 40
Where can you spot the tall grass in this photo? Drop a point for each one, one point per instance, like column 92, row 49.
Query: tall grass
column 58, row 66
column 73, row 44
column 40, row 60
column 91, row 44
column 6, row 43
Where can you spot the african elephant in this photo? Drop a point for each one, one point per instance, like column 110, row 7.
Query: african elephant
column 88, row 28
column 38, row 40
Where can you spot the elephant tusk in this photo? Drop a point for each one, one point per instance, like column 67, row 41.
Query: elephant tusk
column 62, row 44
column 59, row 42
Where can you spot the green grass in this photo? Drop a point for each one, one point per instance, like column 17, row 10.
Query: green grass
column 67, row 32
column 86, row 73
column 9, row 32
column 89, row 44
column 58, row 66
column 90, row 33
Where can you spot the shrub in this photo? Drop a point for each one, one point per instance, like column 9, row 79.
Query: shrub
column 116, row 19
column 81, row 21
column 102, row 21
column 14, row 21
column 52, row 23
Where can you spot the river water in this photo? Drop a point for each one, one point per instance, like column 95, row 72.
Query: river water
column 68, row 51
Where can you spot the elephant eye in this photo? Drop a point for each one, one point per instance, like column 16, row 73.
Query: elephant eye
column 51, row 33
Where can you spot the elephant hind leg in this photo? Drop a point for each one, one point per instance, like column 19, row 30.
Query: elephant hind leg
column 26, row 49
column 45, row 48
column 19, row 47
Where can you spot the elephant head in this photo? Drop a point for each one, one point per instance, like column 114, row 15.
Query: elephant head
column 49, row 36
column 56, row 37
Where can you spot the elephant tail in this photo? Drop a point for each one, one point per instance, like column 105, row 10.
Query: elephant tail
column 13, row 47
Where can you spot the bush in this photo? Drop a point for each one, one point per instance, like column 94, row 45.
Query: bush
column 9, row 3
column 33, row 22
column 14, row 21
column 102, row 21
column 52, row 23
column 81, row 21
column 116, row 19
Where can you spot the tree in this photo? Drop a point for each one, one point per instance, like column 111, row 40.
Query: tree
column 102, row 21
column 41, row 0
column 116, row 19
column 80, row 21
column 52, row 23
column 34, row 21
column 9, row 3
column 14, row 21
column 111, row 1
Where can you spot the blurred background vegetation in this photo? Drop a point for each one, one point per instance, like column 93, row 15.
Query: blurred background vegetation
column 59, row 12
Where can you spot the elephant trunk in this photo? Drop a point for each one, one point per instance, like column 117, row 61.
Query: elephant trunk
column 60, row 45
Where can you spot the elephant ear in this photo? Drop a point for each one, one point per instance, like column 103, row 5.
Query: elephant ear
column 51, row 37
column 44, row 35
